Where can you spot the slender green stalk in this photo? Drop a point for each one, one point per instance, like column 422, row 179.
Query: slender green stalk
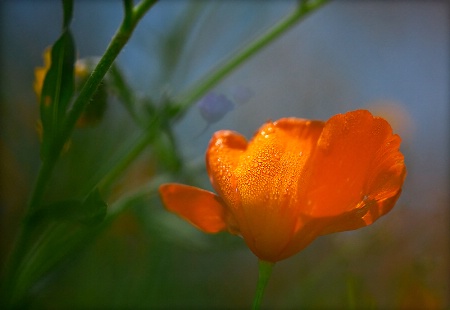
column 119, row 40
column 132, row 17
column 41, row 181
column 126, row 160
column 198, row 90
column 117, row 43
column 204, row 85
column 140, row 9
column 147, row 190
column 265, row 270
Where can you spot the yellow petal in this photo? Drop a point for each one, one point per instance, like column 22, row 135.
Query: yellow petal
column 40, row 72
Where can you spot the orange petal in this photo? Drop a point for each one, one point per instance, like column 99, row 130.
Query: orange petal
column 357, row 171
column 265, row 177
column 201, row 208
column 222, row 158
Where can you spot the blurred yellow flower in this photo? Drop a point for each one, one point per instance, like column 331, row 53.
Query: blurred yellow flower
column 95, row 108
column 40, row 72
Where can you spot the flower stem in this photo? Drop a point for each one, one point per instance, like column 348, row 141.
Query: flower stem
column 140, row 144
column 265, row 270
column 117, row 43
column 119, row 40
column 197, row 91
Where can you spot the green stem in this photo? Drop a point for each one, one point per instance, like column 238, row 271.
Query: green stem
column 198, row 90
column 126, row 160
column 140, row 9
column 203, row 86
column 117, row 43
column 20, row 247
column 42, row 179
column 119, row 40
column 131, row 18
column 265, row 270
column 147, row 190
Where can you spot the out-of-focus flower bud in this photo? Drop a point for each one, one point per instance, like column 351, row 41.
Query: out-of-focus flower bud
column 241, row 94
column 95, row 109
column 213, row 107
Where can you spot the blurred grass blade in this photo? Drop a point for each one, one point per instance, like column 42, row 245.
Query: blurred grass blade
column 60, row 230
column 123, row 91
column 93, row 209
column 58, row 241
column 89, row 212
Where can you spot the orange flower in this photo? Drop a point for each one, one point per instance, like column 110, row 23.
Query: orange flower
column 294, row 181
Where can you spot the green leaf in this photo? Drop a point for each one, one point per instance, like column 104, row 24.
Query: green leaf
column 57, row 231
column 68, row 9
column 95, row 109
column 167, row 153
column 65, row 210
column 123, row 91
column 53, row 243
column 90, row 211
column 57, row 89
column 93, row 210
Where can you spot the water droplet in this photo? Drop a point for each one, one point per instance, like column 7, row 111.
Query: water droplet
column 300, row 154
column 324, row 142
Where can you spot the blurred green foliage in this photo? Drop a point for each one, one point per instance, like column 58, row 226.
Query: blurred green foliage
column 99, row 237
